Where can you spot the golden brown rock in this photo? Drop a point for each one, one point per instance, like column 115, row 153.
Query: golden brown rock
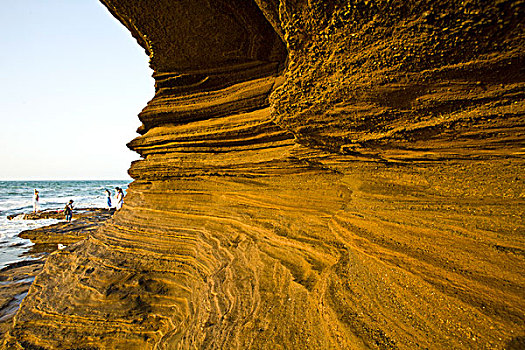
column 16, row 278
column 315, row 175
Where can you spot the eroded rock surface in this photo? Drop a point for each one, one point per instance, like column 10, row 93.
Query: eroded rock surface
column 16, row 278
column 315, row 175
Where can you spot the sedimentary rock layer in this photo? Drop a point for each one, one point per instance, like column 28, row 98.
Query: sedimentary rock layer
column 16, row 278
column 315, row 175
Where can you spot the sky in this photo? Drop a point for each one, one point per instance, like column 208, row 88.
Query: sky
column 72, row 81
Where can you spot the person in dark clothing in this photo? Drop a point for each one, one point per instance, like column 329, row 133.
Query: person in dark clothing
column 68, row 211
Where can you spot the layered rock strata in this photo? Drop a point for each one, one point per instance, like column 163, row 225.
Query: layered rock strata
column 16, row 278
column 315, row 175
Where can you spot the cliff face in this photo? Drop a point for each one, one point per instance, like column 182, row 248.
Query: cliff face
column 315, row 175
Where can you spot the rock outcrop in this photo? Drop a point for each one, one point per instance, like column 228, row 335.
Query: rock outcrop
column 16, row 278
column 315, row 175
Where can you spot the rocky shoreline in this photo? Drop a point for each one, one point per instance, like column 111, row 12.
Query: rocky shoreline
column 312, row 175
column 16, row 278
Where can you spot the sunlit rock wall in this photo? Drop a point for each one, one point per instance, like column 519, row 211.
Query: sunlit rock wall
column 315, row 175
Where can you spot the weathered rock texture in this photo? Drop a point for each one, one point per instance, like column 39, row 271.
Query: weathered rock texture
column 16, row 278
column 316, row 175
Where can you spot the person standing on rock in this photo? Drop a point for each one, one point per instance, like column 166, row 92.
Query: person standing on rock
column 108, row 195
column 68, row 211
column 120, row 197
column 36, row 198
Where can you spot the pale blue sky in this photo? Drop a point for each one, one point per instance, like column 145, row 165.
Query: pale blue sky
column 72, row 81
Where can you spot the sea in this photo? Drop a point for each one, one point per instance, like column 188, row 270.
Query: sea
column 17, row 197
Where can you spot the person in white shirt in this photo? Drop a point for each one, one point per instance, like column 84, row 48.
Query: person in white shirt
column 36, row 198
column 120, row 198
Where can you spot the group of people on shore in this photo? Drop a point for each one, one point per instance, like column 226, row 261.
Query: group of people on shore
column 119, row 197
column 68, row 209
